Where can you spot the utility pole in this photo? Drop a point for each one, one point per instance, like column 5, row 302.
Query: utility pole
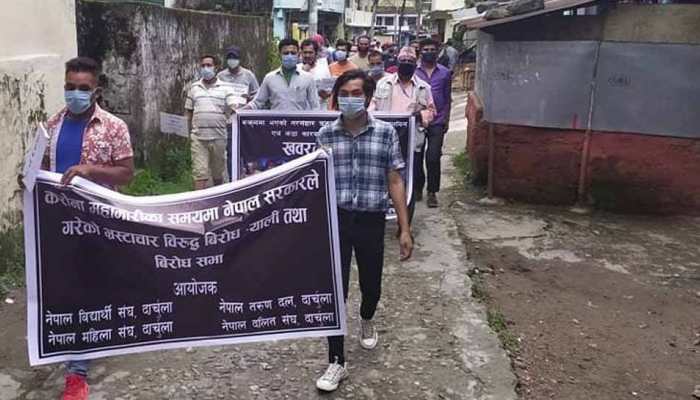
column 403, row 11
column 419, row 9
column 375, row 3
column 313, row 17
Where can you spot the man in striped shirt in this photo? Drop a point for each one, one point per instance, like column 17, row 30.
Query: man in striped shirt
column 208, row 107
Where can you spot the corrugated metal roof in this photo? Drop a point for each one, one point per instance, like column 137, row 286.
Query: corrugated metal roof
column 549, row 6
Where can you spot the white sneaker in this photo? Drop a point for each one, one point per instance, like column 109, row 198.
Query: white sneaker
column 368, row 335
column 330, row 380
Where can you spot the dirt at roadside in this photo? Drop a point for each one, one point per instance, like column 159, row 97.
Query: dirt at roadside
column 603, row 306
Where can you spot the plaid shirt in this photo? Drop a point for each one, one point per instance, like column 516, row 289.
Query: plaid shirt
column 362, row 163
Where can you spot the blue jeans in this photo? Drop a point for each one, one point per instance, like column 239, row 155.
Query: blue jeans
column 78, row 367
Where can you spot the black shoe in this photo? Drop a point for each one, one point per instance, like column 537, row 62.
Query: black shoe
column 419, row 196
column 432, row 200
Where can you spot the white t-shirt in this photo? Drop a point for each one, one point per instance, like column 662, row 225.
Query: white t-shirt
column 320, row 71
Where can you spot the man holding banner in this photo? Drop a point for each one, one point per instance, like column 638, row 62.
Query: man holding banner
column 86, row 141
column 367, row 163
column 406, row 92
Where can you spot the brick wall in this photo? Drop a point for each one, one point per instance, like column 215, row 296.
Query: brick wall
column 626, row 172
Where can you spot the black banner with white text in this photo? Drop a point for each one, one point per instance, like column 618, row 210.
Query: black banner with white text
column 264, row 139
column 252, row 260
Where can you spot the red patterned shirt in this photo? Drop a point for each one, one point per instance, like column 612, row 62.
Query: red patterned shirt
column 106, row 139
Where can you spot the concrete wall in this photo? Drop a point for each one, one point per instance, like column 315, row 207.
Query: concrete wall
column 670, row 23
column 149, row 54
column 446, row 5
column 626, row 172
column 36, row 38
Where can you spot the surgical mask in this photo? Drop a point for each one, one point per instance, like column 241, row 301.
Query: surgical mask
column 429, row 57
column 289, row 61
column 376, row 70
column 351, row 106
column 233, row 63
column 207, row 73
column 407, row 69
column 78, row 101
column 341, row 55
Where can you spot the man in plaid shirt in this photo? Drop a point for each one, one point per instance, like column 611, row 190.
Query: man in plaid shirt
column 367, row 163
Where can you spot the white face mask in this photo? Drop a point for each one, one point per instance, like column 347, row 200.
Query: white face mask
column 207, row 73
column 233, row 63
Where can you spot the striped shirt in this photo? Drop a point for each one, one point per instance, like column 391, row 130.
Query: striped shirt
column 242, row 77
column 210, row 106
column 362, row 163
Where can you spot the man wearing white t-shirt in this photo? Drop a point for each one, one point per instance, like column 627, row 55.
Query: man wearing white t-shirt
column 317, row 67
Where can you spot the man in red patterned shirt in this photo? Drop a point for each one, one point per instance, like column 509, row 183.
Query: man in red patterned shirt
column 86, row 141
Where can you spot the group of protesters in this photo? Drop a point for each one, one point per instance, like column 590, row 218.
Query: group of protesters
column 87, row 141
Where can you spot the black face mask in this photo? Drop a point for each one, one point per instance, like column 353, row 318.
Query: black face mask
column 429, row 57
column 407, row 69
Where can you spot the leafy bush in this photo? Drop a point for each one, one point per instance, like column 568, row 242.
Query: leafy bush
column 11, row 254
column 169, row 170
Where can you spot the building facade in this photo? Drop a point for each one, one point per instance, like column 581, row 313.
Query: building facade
column 290, row 18
column 31, row 79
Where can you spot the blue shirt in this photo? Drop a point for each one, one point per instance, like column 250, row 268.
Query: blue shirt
column 362, row 163
column 441, row 85
column 70, row 143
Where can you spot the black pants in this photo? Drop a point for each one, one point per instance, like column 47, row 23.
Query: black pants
column 362, row 232
column 433, row 140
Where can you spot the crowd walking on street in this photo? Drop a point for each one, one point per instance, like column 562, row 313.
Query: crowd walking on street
column 353, row 78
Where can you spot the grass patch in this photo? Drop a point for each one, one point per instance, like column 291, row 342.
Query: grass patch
column 463, row 165
column 498, row 323
column 168, row 171
column 479, row 290
column 496, row 320
column 11, row 255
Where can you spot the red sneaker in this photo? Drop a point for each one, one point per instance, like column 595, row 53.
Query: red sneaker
column 76, row 388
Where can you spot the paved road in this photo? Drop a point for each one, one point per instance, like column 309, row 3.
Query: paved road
column 434, row 341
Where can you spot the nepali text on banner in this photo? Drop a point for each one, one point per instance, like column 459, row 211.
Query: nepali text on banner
column 263, row 139
column 252, row 260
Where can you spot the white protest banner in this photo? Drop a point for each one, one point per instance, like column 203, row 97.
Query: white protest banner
column 173, row 123
column 240, row 94
column 33, row 159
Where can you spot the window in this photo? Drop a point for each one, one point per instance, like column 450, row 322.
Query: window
column 388, row 21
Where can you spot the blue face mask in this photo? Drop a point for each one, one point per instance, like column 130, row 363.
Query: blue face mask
column 351, row 106
column 289, row 61
column 78, row 101
column 341, row 55
column 207, row 73
column 376, row 70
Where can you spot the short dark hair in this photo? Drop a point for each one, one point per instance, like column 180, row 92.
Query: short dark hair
column 342, row 42
column 429, row 42
column 83, row 64
column 374, row 53
column 213, row 57
column 347, row 76
column 363, row 37
column 287, row 42
column 309, row 42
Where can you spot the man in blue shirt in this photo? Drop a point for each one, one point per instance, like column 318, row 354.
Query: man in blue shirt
column 367, row 163
column 86, row 141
